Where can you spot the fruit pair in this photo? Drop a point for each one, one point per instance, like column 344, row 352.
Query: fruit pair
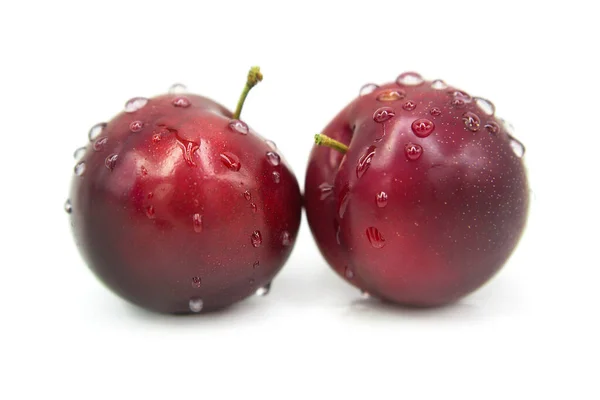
column 178, row 206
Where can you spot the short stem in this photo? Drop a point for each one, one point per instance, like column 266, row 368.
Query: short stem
column 322, row 140
column 254, row 76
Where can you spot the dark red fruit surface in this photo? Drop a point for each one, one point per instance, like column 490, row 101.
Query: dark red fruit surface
column 179, row 208
column 429, row 200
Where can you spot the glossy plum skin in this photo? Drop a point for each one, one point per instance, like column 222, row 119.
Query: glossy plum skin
column 411, row 215
column 191, row 215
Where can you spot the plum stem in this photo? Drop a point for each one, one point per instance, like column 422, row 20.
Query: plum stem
column 254, row 76
column 322, row 140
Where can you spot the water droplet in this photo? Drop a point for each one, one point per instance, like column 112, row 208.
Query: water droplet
column 436, row 112
column 364, row 162
column 136, row 126
column 253, row 207
column 177, row 88
column 391, row 95
column 100, row 143
column 368, row 89
column 409, row 79
column 439, row 84
column 256, row 239
column 338, row 232
column 78, row 154
column 273, row 158
column 492, row 127
column 196, row 304
column 485, row 105
column 460, row 99
column 231, row 161
column 375, row 237
column 422, row 127
column 247, row 195
column 381, row 199
column 383, row 114
column 239, row 126
column 413, row 151
column 271, row 144
column 79, row 168
column 150, row 195
column 150, row 212
column 409, row 105
column 344, row 198
column 135, row 104
column 508, row 127
column 364, row 294
column 144, row 171
column 68, row 206
column 348, row 273
column 457, row 103
column 286, row 239
column 196, row 282
column 197, row 222
column 156, row 138
column 276, row 176
column 96, row 130
column 471, row 121
column 517, row 147
column 181, row 102
column 111, row 161
column 256, row 264
column 263, row 291
column 326, row 190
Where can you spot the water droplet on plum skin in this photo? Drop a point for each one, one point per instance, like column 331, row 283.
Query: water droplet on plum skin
column 96, row 130
column 177, row 88
column 231, row 161
column 422, row 127
column 413, row 151
column 367, row 89
column 344, row 198
column 492, row 127
column 79, row 153
column 364, row 161
column 68, row 207
column 471, row 121
column 136, row 126
column 263, row 291
column 273, row 158
column 111, row 161
column 409, row 105
column 383, row 114
column 135, row 104
column 409, row 79
column 196, row 304
column 375, row 237
column 256, row 239
column 439, row 84
column 381, row 199
column 181, row 102
column 326, row 190
column 485, row 105
column 197, row 222
column 79, row 168
column 517, row 147
column 247, row 195
column 196, row 282
column 391, row 95
column 348, row 273
column 286, row 238
column 436, row 112
column 239, row 126
column 276, row 176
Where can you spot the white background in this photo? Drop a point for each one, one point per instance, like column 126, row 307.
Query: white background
column 530, row 333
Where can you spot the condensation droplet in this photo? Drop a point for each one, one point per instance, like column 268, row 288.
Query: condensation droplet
column 271, row 144
column 348, row 273
column 409, row 105
column 144, row 171
column 326, row 190
column 439, row 84
column 273, row 158
column 239, row 126
column 78, row 154
column 422, row 127
column 256, row 239
column 517, row 147
column 381, row 199
column 68, row 206
column 276, row 176
column 197, row 222
column 135, row 104
column 231, row 161
column 286, row 239
column 136, row 126
column 383, row 114
column 364, row 162
column 79, row 168
column 256, row 264
column 181, row 102
column 338, row 232
column 436, row 112
column 409, row 79
column 391, row 95
column 253, row 207
column 111, row 161
column 100, row 143
column 508, row 127
column 177, row 88
column 413, row 151
column 263, row 291
column 196, row 282
column 150, row 212
column 492, row 127
column 375, row 237
column 344, row 198
column 485, row 105
column 196, row 304
column 471, row 121
column 96, row 130
column 247, row 195
column 368, row 89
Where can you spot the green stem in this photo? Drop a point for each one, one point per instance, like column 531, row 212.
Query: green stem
column 254, row 76
column 322, row 140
